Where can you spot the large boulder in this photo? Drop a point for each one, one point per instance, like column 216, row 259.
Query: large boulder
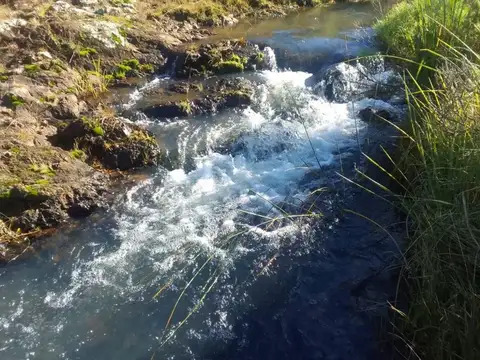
column 355, row 80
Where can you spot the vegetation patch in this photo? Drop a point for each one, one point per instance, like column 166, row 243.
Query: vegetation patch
column 31, row 69
column 13, row 101
column 230, row 66
column 42, row 169
column 185, row 107
column 78, row 154
column 98, row 131
column 87, row 52
column 439, row 171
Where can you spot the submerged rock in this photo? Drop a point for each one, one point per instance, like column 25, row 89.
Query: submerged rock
column 376, row 116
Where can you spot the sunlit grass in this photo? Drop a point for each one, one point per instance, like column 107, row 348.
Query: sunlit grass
column 440, row 176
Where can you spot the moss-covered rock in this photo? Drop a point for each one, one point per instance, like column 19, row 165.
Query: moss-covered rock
column 225, row 93
column 221, row 58
column 111, row 142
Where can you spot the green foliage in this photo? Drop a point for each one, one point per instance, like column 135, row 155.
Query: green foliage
column 417, row 29
column 78, row 154
column 32, row 190
column 116, row 39
column 42, row 182
column 98, row 130
column 15, row 100
column 128, row 68
column 45, row 8
column 87, row 51
column 94, row 125
column 49, row 99
column 185, row 106
column 439, row 171
column 109, row 78
column 42, row 169
column 3, row 78
column 198, row 87
column 122, row 71
column 5, row 193
column 147, row 68
column 31, row 69
column 226, row 67
column 131, row 63
column 259, row 57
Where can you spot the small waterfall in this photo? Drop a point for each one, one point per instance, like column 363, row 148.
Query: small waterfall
column 270, row 58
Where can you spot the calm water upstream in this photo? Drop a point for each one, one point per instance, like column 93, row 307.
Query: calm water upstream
column 236, row 283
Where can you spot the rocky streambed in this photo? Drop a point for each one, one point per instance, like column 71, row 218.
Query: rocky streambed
column 241, row 233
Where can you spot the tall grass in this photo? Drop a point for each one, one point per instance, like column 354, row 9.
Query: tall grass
column 413, row 27
column 441, row 169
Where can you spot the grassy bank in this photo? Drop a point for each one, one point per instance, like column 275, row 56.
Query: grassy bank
column 441, row 167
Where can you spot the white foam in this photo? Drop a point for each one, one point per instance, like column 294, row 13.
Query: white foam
column 164, row 222
column 201, row 207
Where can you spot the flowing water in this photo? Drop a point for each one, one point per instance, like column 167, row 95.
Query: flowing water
column 213, row 259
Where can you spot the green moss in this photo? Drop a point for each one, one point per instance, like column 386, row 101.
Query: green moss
column 32, row 190
column 49, row 99
column 31, row 69
column 116, row 39
column 131, row 63
column 15, row 150
column 78, row 154
column 62, row 125
column 15, row 101
column 147, row 68
column 5, row 193
column 142, row 136
column 109, row 78
column 87, row 51
column 42, row 182
column 227, row 67
column 3, row 78
column 98, row 130
column 42, row 169
column 122, row 71
column 185, row 106
column 128, row 68
column 259, row 57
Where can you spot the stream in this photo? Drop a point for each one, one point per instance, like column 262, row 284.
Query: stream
column 216, row 257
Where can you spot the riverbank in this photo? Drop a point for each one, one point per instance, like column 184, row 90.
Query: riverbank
column 439, row 170
column 61, row 138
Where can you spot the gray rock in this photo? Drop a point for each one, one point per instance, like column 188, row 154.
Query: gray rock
column 376, row 116
column 68, row 107
column 368, row 78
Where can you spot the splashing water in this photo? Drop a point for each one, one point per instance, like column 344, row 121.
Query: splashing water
column 190, row 229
